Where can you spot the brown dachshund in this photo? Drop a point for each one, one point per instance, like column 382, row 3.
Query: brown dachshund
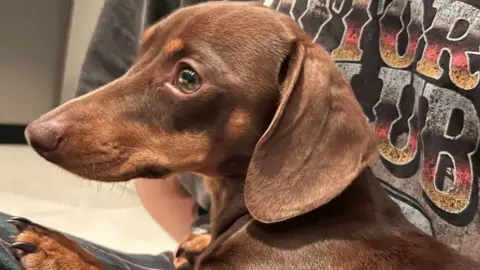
column 240, row 94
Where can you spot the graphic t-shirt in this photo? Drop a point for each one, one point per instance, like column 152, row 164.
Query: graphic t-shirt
column 414, row 66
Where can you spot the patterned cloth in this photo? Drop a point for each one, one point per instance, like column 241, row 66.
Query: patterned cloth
column 110, row 258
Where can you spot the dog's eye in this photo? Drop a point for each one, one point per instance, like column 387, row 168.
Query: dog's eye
column 188, row 80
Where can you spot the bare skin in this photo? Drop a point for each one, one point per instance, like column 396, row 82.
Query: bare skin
column 168, row 204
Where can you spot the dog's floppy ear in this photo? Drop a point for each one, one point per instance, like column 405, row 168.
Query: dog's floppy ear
column 318, row 142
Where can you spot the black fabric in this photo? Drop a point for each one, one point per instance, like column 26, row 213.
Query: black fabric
column 12, row 134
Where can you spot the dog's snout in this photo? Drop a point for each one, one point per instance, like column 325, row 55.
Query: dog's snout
column 44, row 136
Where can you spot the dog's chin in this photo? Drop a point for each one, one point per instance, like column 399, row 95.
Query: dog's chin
column 112, row 175
column 118, row 169
column 149, row 172
column 153, row 172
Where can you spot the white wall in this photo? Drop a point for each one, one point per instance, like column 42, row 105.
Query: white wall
column 83, row 20
column 42, row 48
column 32, row 46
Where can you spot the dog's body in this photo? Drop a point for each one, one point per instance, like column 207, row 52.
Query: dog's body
column 272, row 125
column 360, row 229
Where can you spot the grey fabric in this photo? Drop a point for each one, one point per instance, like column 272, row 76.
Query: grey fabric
column 114, row 43
column 193, row 184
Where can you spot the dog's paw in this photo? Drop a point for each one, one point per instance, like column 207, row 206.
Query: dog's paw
column 189, row 249
column 39, row 248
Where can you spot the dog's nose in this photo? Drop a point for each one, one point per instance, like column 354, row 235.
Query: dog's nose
column 44, row 136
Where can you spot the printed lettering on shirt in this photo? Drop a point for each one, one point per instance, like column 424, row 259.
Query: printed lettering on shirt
column 380, row 7
column 441, row 37
column 349, row 69
column 446, row 144
column 355, row 21
column 392, row 25
column 391, row 120
column 286, row 6
column 315, row 17
column 428, row 134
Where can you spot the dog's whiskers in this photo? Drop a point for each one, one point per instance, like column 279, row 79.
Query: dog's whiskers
column 123, row 191
column 99, row 187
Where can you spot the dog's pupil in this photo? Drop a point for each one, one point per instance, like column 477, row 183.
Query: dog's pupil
column 188, row 78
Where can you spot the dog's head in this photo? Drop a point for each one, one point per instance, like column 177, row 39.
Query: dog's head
column 220, row 89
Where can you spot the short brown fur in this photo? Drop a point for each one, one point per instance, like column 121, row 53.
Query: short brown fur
column 173, row 46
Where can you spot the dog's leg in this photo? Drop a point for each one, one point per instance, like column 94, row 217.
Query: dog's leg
column 39, row 248
column 189, row 249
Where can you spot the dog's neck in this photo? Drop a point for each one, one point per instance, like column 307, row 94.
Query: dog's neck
column 364, row 204
column 363, row 200
column 228, row 202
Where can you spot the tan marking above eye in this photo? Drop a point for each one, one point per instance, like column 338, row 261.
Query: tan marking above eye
column 148, row 33
column 173, row 46
column 238, row 123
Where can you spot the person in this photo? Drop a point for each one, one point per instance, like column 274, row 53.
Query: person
column 414, row 67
